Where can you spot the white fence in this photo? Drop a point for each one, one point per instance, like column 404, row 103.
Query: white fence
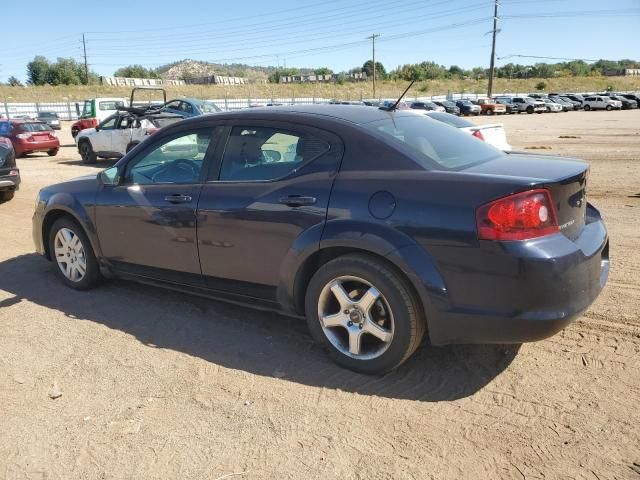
column 69, row 110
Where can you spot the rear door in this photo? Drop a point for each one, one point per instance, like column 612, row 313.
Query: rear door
column 272, row 187
column 101, row 140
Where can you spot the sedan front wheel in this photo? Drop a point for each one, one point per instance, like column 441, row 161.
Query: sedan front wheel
column 365, row 313
column 71, row 250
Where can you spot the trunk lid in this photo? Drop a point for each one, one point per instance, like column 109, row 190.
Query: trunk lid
column 566, row 180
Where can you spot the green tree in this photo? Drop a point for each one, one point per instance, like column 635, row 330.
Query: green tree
column 136, row 71
column 381, row 72
column 14, row 82
column 65, row 71
column 37, row 71
column 323, row 71
column 541, row 86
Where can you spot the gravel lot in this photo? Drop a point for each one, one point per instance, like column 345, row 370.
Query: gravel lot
column 160, row 385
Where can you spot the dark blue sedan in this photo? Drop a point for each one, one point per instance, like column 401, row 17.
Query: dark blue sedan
column 381, row 228
column 190, row 107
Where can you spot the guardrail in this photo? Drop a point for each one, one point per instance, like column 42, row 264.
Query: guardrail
column 67, row 110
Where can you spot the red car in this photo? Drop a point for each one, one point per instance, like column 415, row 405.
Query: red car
column 28, row 136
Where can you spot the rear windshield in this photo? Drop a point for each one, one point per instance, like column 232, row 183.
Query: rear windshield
column 35, row 127
column 436, row 145
column 5, row 128
column 449, row 119
column 47, row 115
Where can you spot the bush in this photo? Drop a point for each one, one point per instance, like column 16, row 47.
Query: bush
column 541, row 86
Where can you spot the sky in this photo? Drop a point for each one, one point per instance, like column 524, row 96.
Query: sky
column 314, row 33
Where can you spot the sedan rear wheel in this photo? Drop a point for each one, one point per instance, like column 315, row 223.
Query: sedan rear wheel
column 364, row 313
column 69, row 247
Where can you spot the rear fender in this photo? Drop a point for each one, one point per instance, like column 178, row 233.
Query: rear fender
column 376, row 238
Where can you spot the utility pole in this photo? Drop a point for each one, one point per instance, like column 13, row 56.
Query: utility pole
column 493, row 49
column 86, row 67
column 373, row 46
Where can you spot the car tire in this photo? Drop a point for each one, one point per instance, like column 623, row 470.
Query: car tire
column 71, row 252
column 7, row 195
column 384, row 334
column 53, row 152
column 490, row 112
column 529, row 110
column 87, row 153
column 609, row 108
column 587, row 108
column 74, row 132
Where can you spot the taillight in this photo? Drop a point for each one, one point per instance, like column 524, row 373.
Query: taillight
column 23, row 136
column 478, row 134
column 520, row 216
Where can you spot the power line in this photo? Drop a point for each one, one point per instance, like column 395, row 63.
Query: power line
column 309, row 36
column 548, row 58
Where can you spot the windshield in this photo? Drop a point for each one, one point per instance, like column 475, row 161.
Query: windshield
column 465, row 102
column 208, row 107
column 110, row 105
column 35, row 127
column 86, row 109
column 436, row 145
column 48, row 115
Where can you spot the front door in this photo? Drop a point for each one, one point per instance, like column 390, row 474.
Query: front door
column 147, row 223
column 273, row 184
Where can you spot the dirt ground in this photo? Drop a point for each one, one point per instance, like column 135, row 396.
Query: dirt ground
column 160, row 385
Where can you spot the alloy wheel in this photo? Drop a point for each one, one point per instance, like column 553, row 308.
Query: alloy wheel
column 355, row 317
column 70, row 255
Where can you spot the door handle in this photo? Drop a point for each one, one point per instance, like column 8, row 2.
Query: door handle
column 297, row 201
column 177, row 198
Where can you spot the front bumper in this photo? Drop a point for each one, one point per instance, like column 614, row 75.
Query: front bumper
column 514, row 292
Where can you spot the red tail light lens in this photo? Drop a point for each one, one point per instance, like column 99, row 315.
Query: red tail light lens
column 478, row 134
column 521, row 216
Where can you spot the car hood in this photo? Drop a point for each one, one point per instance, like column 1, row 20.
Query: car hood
column 84, row 184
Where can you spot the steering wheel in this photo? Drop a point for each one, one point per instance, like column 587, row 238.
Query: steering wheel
column 179, row 170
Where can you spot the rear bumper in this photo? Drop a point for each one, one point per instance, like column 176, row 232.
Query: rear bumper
column 23, row 146
column 9, row 182
column 516, row 292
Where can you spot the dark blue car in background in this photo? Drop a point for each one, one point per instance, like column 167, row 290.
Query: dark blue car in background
column 380, row 227
column 190, row 107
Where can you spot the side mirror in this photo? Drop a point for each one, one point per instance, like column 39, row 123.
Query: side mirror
column 271, row 156
column 110, row 176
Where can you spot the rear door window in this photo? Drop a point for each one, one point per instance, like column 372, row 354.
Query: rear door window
column 435, row 146
column 265, row 153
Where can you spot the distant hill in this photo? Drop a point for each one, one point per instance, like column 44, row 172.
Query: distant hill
column 189, row 68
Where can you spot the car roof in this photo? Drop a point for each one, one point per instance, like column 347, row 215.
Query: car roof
column 350, row 113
